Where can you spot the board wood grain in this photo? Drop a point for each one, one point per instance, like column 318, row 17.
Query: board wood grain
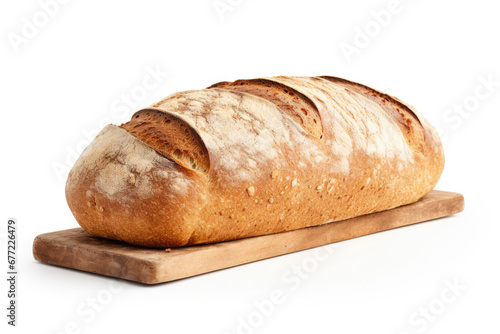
column 75, row 248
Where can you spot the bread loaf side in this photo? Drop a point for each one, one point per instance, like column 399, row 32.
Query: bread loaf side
column 253, row 157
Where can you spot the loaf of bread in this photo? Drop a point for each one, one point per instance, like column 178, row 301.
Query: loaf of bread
column 252, row 157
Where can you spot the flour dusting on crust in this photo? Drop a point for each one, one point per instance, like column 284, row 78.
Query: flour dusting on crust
column 124, row 166
column 244, row 131
column 353, row 122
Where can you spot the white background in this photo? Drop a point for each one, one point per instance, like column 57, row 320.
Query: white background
column 67, row 77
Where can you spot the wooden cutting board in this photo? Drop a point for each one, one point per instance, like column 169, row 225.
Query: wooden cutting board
column 77, row 249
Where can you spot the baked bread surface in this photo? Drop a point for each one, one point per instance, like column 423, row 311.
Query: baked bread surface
column 253, row 157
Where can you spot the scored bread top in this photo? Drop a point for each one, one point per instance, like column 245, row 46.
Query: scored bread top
column 292, row 102
column 314, row 116
column 171, row 137
column 253, row 157
column 406, row 118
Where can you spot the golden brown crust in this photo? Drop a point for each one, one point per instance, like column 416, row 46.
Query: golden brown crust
column 295, row 104
column 408, row 121
column 171, row 137
column 120, row 188
column 268, row 172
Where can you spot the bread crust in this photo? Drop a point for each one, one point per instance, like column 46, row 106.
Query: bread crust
column 267, row 172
